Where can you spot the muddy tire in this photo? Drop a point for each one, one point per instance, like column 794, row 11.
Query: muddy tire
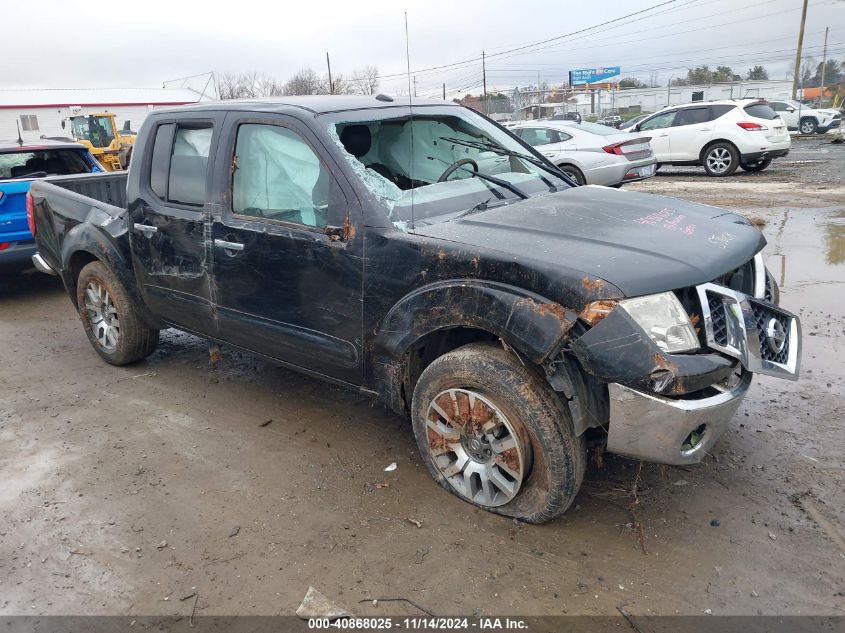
column 116, row 331
column 720, row 159
column 573, row 172
column 492, row 432
column 757, row 165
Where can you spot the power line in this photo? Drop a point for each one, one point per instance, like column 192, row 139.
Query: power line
column 557, row 37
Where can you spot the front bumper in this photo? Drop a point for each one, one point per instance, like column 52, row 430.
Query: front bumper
column 658, row 402
column 656, row 429
column 833, row 125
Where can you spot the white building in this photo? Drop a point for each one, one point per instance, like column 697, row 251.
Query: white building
column 41, row 112
column 653, row 99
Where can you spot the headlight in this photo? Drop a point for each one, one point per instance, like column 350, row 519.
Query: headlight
column 664, row 320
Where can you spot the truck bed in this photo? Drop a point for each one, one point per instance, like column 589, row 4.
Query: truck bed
column 108, row 187
column 62, row 203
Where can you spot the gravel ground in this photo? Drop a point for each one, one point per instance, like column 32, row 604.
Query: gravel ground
column 126, row 489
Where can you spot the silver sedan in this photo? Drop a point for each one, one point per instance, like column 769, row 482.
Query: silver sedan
column 591, row 154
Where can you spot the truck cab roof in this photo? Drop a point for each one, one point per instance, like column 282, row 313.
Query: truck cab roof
column 318, row 104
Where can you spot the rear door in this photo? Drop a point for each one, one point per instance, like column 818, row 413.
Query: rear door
column 553, row 144
column 658, row 127
column 690, row 132
column 168, row 223
column 287, row 274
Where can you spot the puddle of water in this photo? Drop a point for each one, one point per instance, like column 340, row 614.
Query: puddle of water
column 807, row 248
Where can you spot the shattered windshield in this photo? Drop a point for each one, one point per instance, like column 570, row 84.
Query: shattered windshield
column 444, row 162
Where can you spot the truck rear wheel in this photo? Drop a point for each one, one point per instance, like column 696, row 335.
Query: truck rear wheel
column 116, row 331
column 493, row 433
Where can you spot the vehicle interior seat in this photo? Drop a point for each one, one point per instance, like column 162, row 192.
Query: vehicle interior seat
column 358, row 141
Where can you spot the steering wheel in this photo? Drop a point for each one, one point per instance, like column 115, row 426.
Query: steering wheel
column 451, row 169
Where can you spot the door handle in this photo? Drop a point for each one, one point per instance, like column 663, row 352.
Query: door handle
column 663, row 135
column 704, row 129
column 146, row 229
column 230, row 247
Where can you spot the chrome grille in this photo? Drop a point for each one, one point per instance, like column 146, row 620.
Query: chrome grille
column 763, row 337
column 719, row 318
column 764, row 317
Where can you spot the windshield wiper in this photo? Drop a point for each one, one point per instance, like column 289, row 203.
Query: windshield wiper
column 498, row 181
column 498, row 149
column 481, row 206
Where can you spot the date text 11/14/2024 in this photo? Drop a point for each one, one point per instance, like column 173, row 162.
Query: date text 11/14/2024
column 419, row 623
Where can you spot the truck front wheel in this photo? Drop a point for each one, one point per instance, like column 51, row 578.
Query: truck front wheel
column 116, row 331
column 492, row 432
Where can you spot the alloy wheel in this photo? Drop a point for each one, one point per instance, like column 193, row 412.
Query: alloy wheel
column 473, row 444
column 102, row 314
column 719, row 160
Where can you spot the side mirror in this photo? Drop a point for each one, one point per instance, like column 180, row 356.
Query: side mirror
column 790, row 109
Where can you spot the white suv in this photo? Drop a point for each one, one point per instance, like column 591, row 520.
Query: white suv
column 804, row 118
column 720, row 135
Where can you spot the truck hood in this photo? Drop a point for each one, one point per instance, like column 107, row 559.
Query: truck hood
column 641, row 243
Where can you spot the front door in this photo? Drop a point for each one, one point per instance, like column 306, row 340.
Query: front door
column 658, row 128
column 168, row 223
column 691, row 131
column 287, row 262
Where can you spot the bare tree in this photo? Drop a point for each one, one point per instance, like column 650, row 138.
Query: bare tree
column 365, row 80
column 266, row 86
column 305, row 82
column 230, row 86
column 247, row 85
column 340, row 85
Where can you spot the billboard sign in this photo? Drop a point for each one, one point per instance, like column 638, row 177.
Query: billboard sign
column 592, row 75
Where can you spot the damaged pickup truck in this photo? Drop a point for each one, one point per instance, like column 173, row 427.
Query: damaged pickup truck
column 423, row 255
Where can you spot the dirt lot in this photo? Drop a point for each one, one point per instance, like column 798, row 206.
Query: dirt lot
column 124, row 490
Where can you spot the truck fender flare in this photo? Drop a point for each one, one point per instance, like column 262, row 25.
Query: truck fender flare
column 532, row 325
column 83, row 239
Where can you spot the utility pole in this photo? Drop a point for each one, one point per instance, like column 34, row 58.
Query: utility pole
column 444, row 91
column 795, row 77
column 824, row 63
column 484, row 78
column 329, row 65
column 415, row 85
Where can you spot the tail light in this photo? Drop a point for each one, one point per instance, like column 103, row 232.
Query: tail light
column 633, row 148
column 30, row 213
column 752, row 127
column 4, row 245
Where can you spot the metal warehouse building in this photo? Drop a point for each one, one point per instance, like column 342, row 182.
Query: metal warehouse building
column 40, row 112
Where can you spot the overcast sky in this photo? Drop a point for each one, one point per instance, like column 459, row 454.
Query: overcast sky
column 141, row 43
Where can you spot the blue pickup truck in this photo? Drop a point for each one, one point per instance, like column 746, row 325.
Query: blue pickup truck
column 20, row 164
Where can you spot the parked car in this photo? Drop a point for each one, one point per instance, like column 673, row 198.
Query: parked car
column 806, row 119
column 613, row 121
column 19, row 164
column 591, row 154
column 567, row 116
column 630, row 123
column 508, row 314
column 722, row 136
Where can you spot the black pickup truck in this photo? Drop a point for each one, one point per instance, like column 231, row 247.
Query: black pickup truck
column 423, row 255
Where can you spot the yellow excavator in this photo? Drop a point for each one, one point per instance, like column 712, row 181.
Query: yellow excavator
column 98, row 132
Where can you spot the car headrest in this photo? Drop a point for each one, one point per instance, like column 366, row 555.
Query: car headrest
column 356, row 139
